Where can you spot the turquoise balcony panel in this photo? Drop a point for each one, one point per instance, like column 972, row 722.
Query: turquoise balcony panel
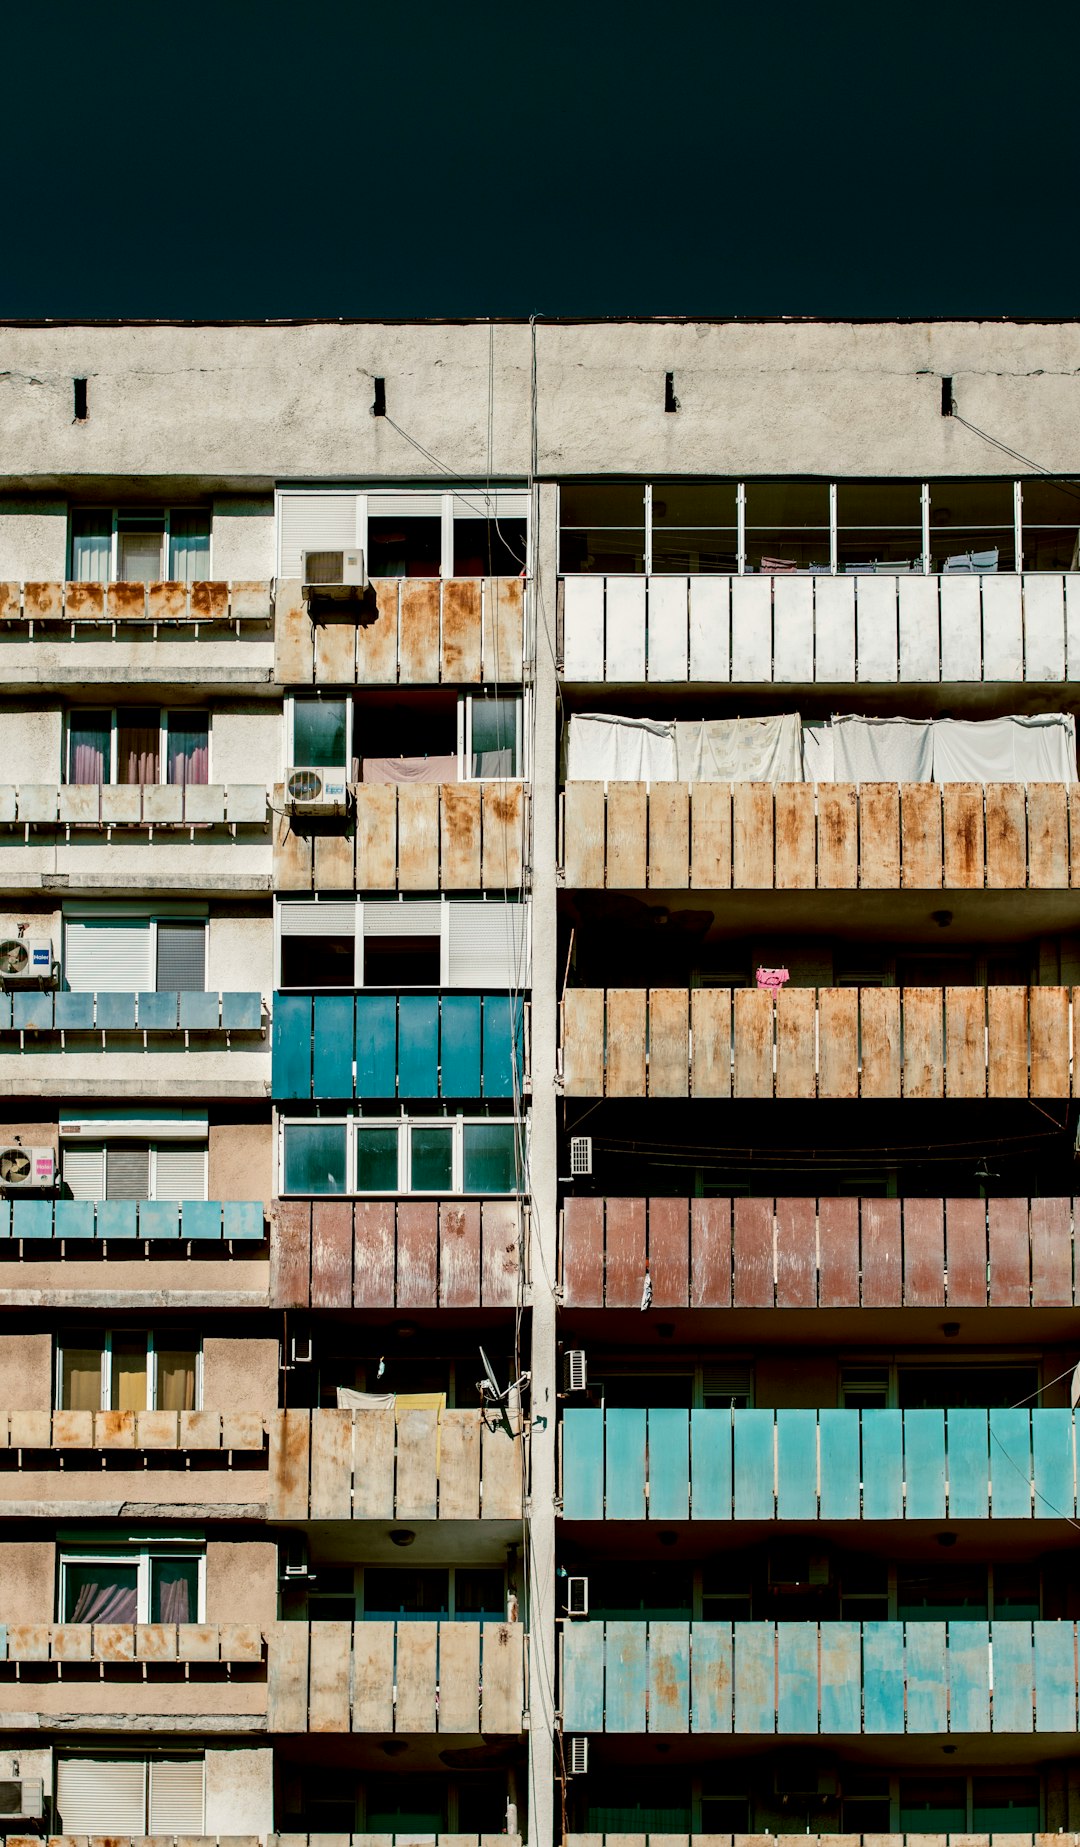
column 336, row 1047
column 807, row 1465
column 820, row 1679
column 52, row 1013
column 229, row 1220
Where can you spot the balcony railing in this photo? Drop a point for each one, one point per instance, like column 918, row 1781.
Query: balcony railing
column 139, row 1677
column 397, row 1045
column 665, row 1464
column 385, row 1253
column 74, row 806
column 118, row 1644
column 47, row 1434
column 824, row 1042
column 456, row 1677
column 930, row 1678
column 802, row 630
column 820, row 1253
column 404, row 1463
column 417, row 631
column 103, row 1016
column 219, row 1220
column 421, row 836
column 407, row 1839
column 832, row 837
column 157, row 606
column 821, row 1839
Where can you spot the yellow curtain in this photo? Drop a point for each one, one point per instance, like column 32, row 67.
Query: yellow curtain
column 129, row 1373
column 175, row 1379
column 80, row 1383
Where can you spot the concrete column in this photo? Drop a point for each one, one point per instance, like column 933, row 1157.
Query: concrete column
column 543, row 1171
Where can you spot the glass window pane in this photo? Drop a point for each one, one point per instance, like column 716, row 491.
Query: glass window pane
column 490, row 1157
column 479, row 1594
column 1005, row 1804
column 405, row 1805
column 139, row 547
column 188, row 746
column 175, row 1380
column 91, row 546
column 319, row 733
column 933, row 1805
column 174, row 1590
column 1050, row 516
column 602, row 503
column 314, row 1157
column 403, row 547
column 879, row 525
column 406, row 1594
column 602, row 527
column 695, row 551
column 138, row 744
column 676, row 504
column 100, row 1591
column 1016, row 1592
column 80, row 1378
column 189, row 546
column 942, row 1593
column 89, row 747
column 318, row 961
column 129, row 1373
column 377, row 1160
column 432, row 1158
column 489, row 548
column 787, row 503
column 971, row 526
column 494, row 736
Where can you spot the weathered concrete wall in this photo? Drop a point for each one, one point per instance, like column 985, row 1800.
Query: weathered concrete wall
column 28, row 1581
column 33, row 540
column 242, row 538
column 239, row 1375
column 26, row 1375
column 241, row 1161
column 240, row 954
column 241, row 1581
column 245, row 743
column 239, row 1791
column 31, row 743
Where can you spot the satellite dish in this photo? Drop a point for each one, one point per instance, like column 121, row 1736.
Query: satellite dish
column 493, row 1396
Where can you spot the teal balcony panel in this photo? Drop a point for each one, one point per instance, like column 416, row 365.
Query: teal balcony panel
column 97, row 1219
column 49, row 1013
column 334, row 1047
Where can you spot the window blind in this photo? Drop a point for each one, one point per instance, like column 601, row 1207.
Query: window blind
column 181, row 957
column 422, row 918
column 127, row 1173
column 109, row 957
column 180, row 1171
column 312, row 523
column 318, row 919
column 728, row 1385
column 176, row 1795
column 102, row 1795
column 486, row 946
column 84, row 1171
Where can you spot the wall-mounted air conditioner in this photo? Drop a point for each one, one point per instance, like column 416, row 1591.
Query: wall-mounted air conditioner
column 577, row 1596
column 26, row 1170
column 581, row 1156
column 576, row 1755
column 575, row 1371
column 27, row 962
column 335, row 576
column 22, row 1797
column 316, row 791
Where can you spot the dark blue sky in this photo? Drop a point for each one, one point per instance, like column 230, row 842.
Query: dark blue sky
column 252, row 158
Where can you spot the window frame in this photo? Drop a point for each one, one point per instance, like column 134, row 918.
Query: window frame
column 891, row 1364
column 100, row 1144
column 447, row 901
column 165, row 715
column 116, row 515
column 403, row 1124
column 152, row 917
column 106, row 1367
column 464, row 720
column 367, row 501
column 144, row 1554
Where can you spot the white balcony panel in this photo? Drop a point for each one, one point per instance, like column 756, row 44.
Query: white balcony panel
column 1002, row 628
column 626, row 628
column 835, row 628
column 793, row 628
column 163, row 803
column 710, row 629
column 920, row 652
column 668, row 634
column 751, row 628
column 583, row 628
column 961, row 628
column 1072, row 626
column 876, row 630
column 1044, row 627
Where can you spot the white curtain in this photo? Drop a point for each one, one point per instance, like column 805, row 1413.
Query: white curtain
column 817, row 750
column 740, row 749
column 882, row 749
column 604, row 748
column 1036, row 749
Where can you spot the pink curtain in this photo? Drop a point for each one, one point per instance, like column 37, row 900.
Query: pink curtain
column 106, row 1603
column 175, row 1598
column 189, row 749
column 138, row 742
column 88, row 761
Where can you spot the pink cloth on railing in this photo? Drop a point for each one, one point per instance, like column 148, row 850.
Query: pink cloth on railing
column 772, row 977
column 408, row 769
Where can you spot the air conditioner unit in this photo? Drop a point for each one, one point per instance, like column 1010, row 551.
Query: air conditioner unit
column 805, row 1778
column 328, row 572
column 316, row 791
column 575, row 1371
column 26, row 1170
column 581, row 1156
column 27, row 962
column 22, row 1797
column 795, row 1571
column 296, row 1558
column 577, row 1596
column 576, row 1755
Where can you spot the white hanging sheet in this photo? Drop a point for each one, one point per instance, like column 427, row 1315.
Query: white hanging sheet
column 350, row 1400
column 409, row 769
column 1041, row 748
column 817, row 751
column 740, row 749
column 882, row 749
column 605, row 748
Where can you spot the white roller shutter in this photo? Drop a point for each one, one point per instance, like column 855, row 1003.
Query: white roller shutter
column 313, row 523
column 405, row 506
column 103, row 1795
column 487, row 946
column 176, row 1795
column 490, row 503
column 110, row 957
column 127, row 1172
column 317, row 919
column 180, row 1172
column 385, row 918
column 84, row 1171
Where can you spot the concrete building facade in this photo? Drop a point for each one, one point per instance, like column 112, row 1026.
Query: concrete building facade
column 468, row 1367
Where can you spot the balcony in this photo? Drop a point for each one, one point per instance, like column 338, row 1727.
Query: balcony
column 806, row 1678
column 385, row 1253
column 143, row 1677
column 445, row 1677
column 403, row 1464
column 412, row 837
column 126, row 835
column 89, row 634
column 819, row 1253
column 397, row 1045
column 820, row 630
column 189, row 1044
column 799, row 837
column 410, row 631
column 195, row 1253
column 98, row 1220
column 408, row 1840
column 818, row 1042
column 102, row 1462
column 811, row 1465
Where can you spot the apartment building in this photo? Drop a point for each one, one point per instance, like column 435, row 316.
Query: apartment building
column 539, row 919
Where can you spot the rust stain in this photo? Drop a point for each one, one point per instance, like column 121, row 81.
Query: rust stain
column 43, row 600
column 83, row 601
column 210, row 601
column 9, row 602
column 126, row 601
column 168, row 600
column 505, row 807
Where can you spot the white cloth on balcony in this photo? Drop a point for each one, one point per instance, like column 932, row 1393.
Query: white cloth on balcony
column 1040, row 748
column 350, row 1400
column 603, row 747
column 882, row 749
column 408, row 769
column 740, row 749
column 817, row 751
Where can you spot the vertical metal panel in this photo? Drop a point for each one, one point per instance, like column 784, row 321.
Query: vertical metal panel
column 668, row 637
column 290, row 1247
column 287, row 1677
column 459, row 836
column 502, row 1465
column 924, row 1253
column 374, row 1442
column 583, row 1042
column 797, row 1678
column 796, row 1465
column 841, row 1470
column 1048, row 1010
column 876, row 629
column 834, row 600
column 290, row 1444
column 626, row 1661
column 882, row 1452
column 1002, row 628
column 459, row 1045
column 624, row 1471
column 376, row 1045
column 373, row 1676
column 924, row 1672
column 291, row 1046
column 924, row 1464
column 969, row 1677
column 963, row 837
column 711, row 1678
column 965, row 1042
column 710, row 1247
column 838, row 1243
column 753, row 1253
column 1052, row 1437
column 504, row 610
column 1010, row 1461
column 459, row 1254
column 1007, row 1041
column 795, row 837
column 754, row 1466
column 710, row 629
column 416, row 1677
column 625, row 1252
column 627, row 832
column 920, row 657
column 335, row 868
column 710, row 1464
column 1006, row 836
column 961, row 628
column 583, row 1675
column 331, row 1464
column 331, row 1253
column 1010, row 1257
column 841, row 1677
column 755, row 1012
column 669, row 1677
column 333, row 1046
column 1048, row 835
column 583, row 1464
column 669, row 1252
column 970, row 1464
column 711, row 1031
column 879, row 835
column 924, row 1049
column 669, row 1464
column 1044, row 626
column 793, row 629
column 626, row 1041
column 419, row 626
column 796, row 1042
column 669, row 1042
column 502, row 815
column 838, row 1042
column 373, row 1254
column 751, row 630
column 1014, row 1706
column 583, row 628
column 377, row 642
column 1051, row 1254
column 417, row 1488
column 837, row 836
column 920, row 836
column 584, row 811
column 417, row 1253
column 1055, row 1677
column 418, row 1045
column 583, row 1253
column 503, row 1675
column 625, row 628
column 882, row 1268
column 752, row 822
column 419, row 833
column 293, row 853
column 459, row 1676
column 376, row 836
column 883, row 1677
column 461, row 629
column 796, row 1253
column 710, row 836
column 754, row 1677
column 669, row 836
column 965, row 1233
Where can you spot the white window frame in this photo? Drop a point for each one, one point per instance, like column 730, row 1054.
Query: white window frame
column 367, row 501
column 106, row 1369
column 99, row 1144
column 359, row 983
column 165, row 713
column 152, row 919
column 403, row 1124
column 291, row 703
column 142, row 1556
column 466, row 702
column 115, row 513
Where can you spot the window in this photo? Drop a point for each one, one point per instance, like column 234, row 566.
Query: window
column 470, row 737
column 137, row 744
column 118, row 1169
column 493, row 736
column 119, row 954
column 142, row 546
column 130, row 1796
column 879, row 526
column 419, row 1155
column 427, row 1593
column 463, row 532
column 126, row 1369
column 128, row 1584
column 660, row 1592
column 629, row 1801
column 787, row 526
column 321, row 733
column 408, row 943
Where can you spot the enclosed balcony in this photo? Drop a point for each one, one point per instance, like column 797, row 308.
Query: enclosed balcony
column 386, row 1253
column 64, row 634
column 404, row 630
column 382, row 1045
column 404, row 1677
